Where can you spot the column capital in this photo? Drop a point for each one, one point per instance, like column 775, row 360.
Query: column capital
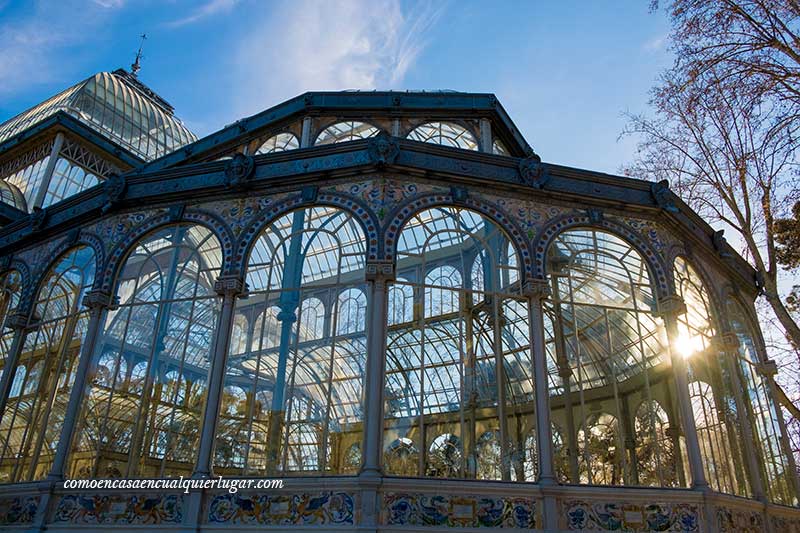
column 727, row 341
column 99, row 299
column 768, row 368
column 16, row 320
column 227, row 285
column 671, row 304
column 380, row 269
column 537, row 288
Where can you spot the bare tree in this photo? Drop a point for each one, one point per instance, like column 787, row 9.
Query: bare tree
column 724, row 133
column 740, row 43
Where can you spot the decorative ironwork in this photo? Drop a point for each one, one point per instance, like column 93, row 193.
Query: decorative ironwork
column 383, row 150
column 238, row 170
column 533, row 173
column 663, row 196
column 114, row 188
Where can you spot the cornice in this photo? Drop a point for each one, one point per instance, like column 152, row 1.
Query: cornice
column 292, row 169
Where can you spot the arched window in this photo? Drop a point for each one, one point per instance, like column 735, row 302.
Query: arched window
column 713, row 433
column 656, row 447
column 776, row 470
column 498, row 148
column 266, row 331
column 279, row 143
column 10, row 291
column 463, row 360
column 346, row 131
column 602, row 456
column 312, row 319
column 352, row 459
column 352, row 311
column 306, row 364
column 110, row 371
column 239, row 335
column 11, row 195
column 401, row 457
column 607, row 352
column 712, row 386
column 441, row 291
column 446, row 134
column 445, row 458
column 164, row 328
column 31, row 424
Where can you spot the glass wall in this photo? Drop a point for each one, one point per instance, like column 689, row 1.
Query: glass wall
column 712, row 387
column 611, row 389
column 143, row 404
column 776, row 471
column 68, row 179
column 459, row 374
column 29, row 180
column 10, row 292
column 293, row 387
column 31, row 422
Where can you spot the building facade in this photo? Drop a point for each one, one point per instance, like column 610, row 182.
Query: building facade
column 385, row 299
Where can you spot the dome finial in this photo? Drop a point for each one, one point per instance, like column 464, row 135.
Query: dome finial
column 136, row 66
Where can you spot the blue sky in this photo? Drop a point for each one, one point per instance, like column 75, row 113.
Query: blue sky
column 565, row 71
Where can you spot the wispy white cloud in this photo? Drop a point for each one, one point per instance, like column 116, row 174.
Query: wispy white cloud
column 656, row 44
column 35, row 46
column 316, row 45
column 110, row 4
column 210, row 8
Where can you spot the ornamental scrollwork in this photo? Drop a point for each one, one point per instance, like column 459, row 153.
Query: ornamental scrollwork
column 114, row 189
column 383, row 150
column 720, row 243
column 662, row 196
column 532, row 172
column 37, row 219
column 239, row 170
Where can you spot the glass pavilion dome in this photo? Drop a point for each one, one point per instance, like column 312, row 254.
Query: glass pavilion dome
column 116, row 104
column 386, row 300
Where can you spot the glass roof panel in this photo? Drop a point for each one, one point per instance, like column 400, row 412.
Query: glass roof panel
column 118, row 106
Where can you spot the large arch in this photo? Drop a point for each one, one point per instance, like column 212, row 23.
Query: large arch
column 215, row 224
column 404, row 212
column 363, row 214
column 607, row 351
column 541, row 244
column 713, row 383
column 162, row 330
column 57, row 323
column 460, row 364
column 301, row 372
